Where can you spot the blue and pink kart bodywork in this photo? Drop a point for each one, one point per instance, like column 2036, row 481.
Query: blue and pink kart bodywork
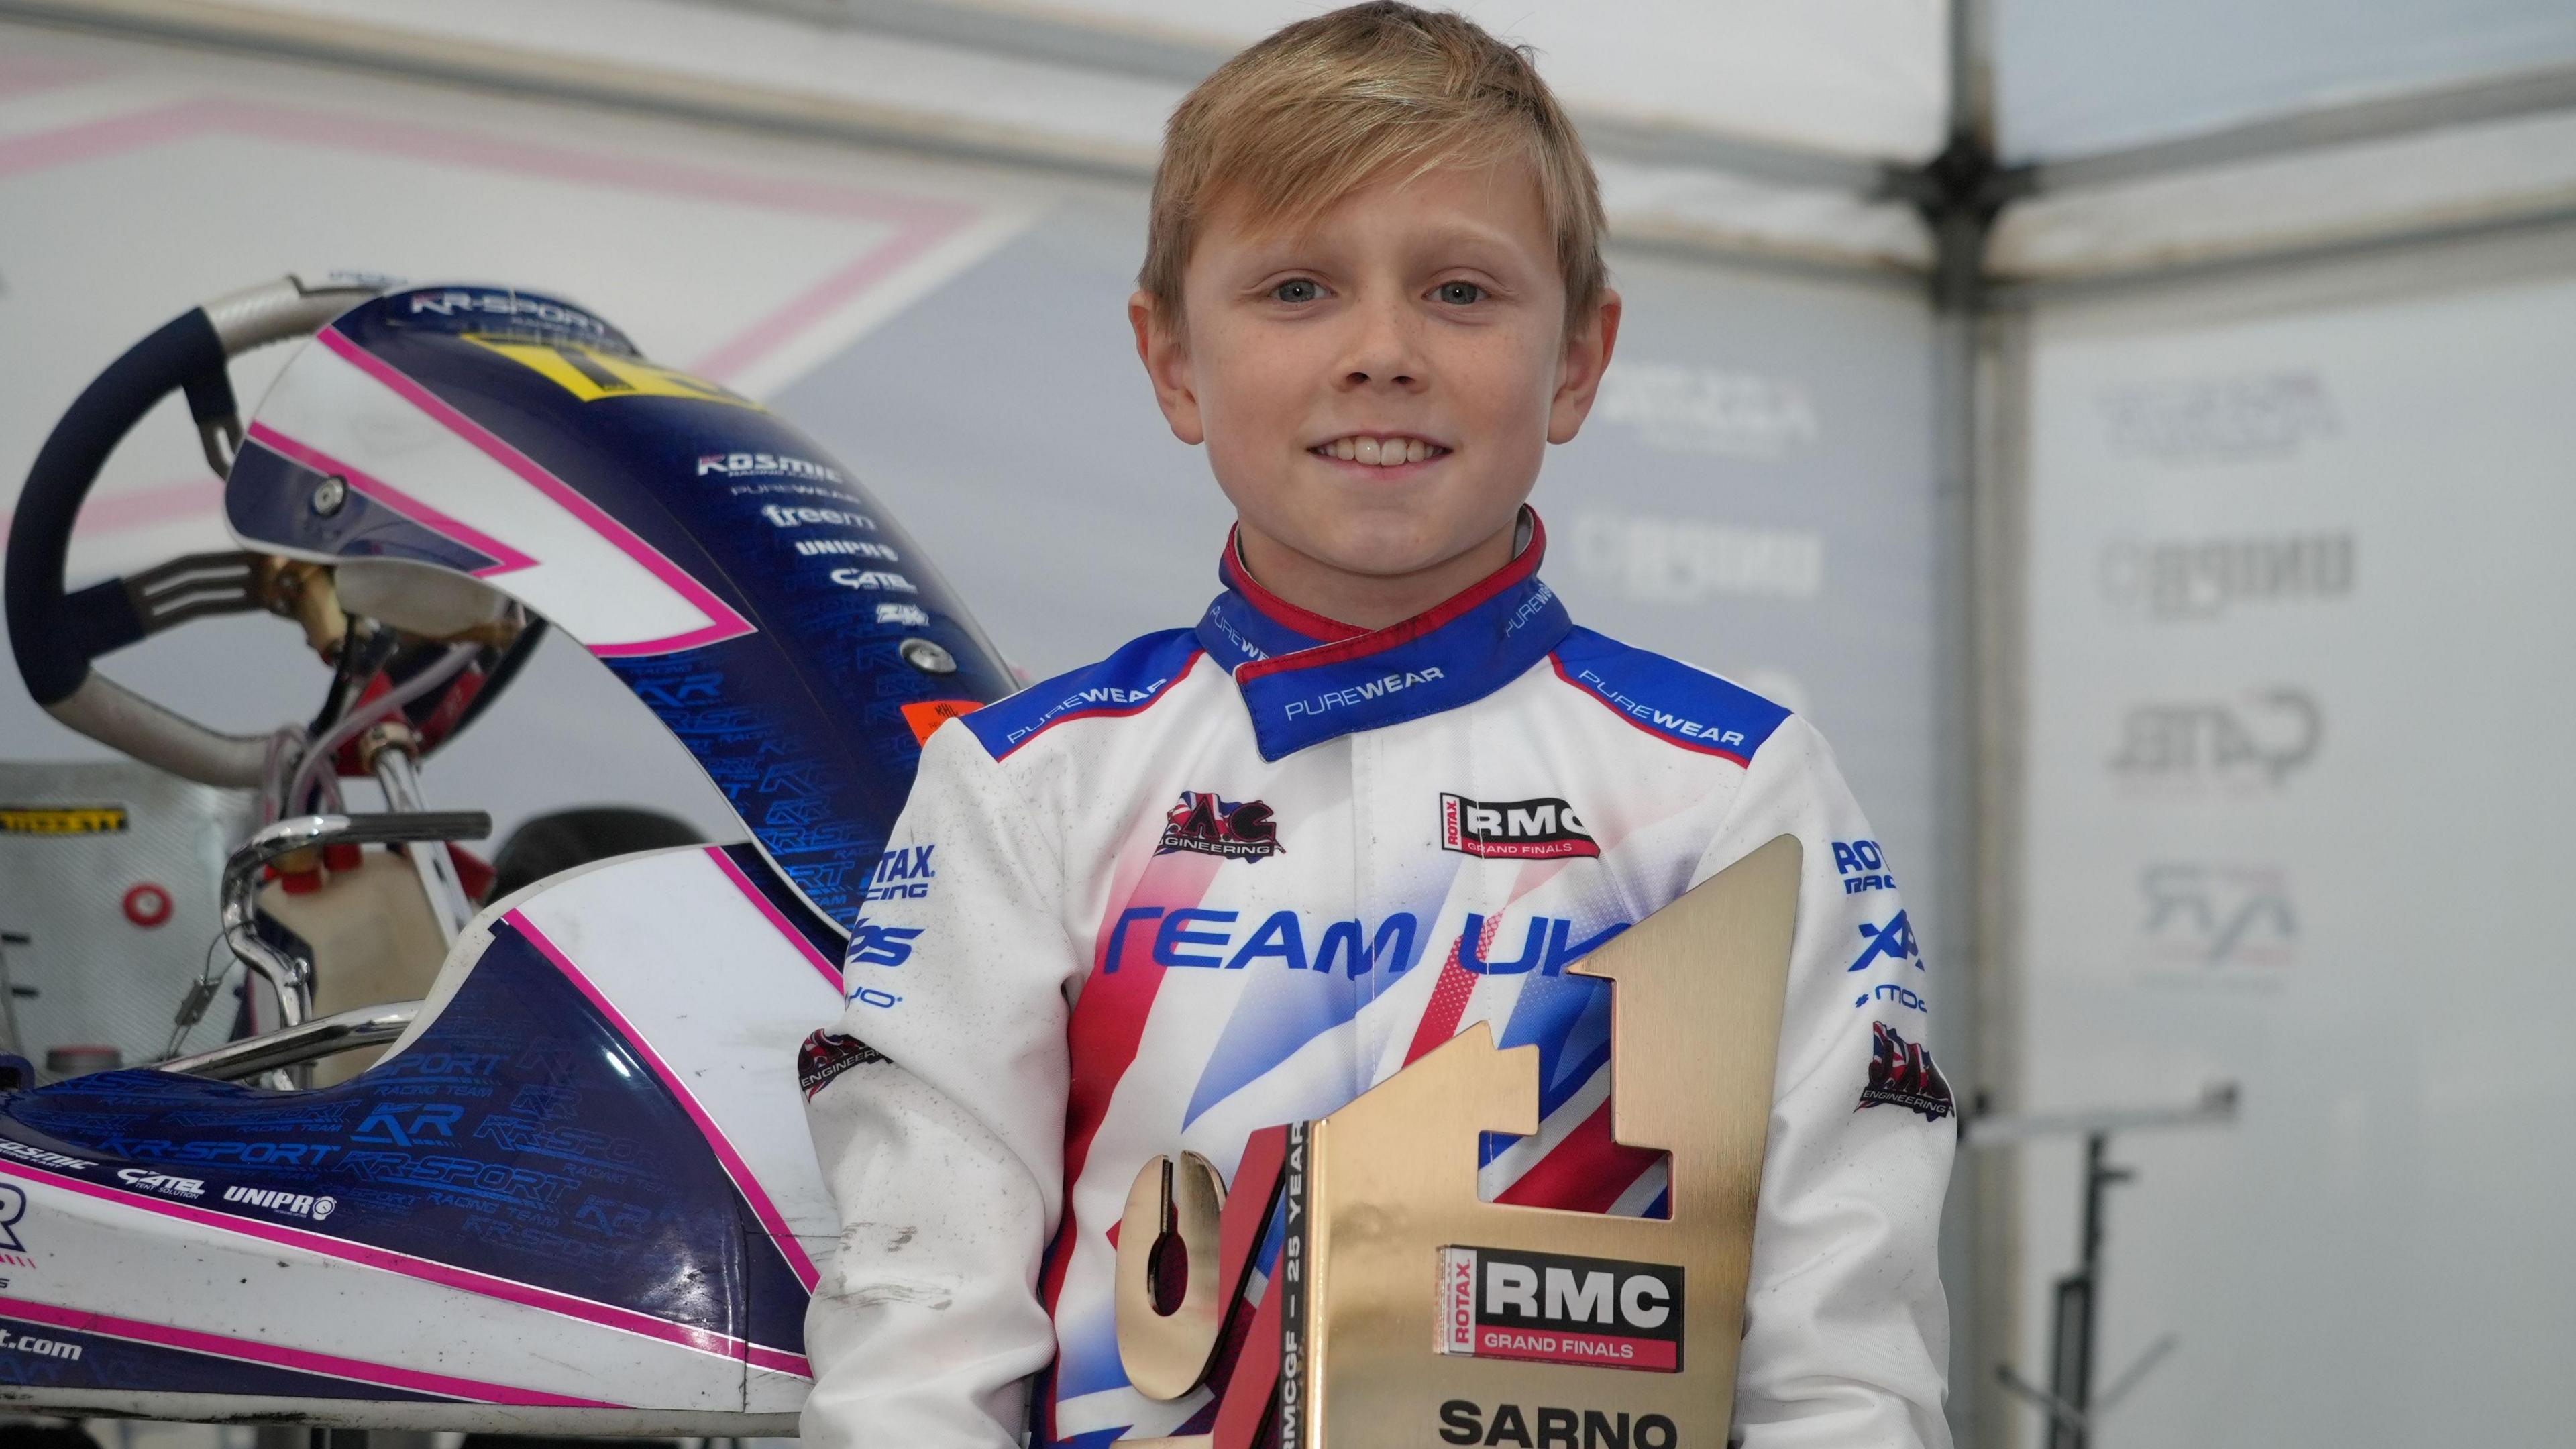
column 577, row 1195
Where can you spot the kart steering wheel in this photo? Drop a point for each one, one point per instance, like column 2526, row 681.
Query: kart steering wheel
column 54, row 634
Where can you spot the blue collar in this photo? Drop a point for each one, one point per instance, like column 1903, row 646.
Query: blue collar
column 1307, row 679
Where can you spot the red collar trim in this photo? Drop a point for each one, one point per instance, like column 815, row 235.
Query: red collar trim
column 1278, row 610
column 1349, row 643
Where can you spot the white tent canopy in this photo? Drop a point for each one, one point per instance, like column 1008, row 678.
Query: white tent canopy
column 2134, row 139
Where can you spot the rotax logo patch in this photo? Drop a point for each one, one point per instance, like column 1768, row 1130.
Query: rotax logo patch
column 1545, row 829
column 1550, row 1308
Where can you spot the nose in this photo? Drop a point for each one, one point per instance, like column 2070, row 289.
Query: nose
column 1384, row 349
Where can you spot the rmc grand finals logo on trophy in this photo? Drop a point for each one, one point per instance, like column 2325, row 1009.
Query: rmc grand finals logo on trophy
column 1404, row 1311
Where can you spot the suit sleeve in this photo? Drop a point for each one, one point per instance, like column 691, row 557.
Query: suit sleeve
column 1846, row 1330
column 937, row 1106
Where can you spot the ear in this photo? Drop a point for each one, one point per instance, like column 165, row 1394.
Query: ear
column 1578, row 372
column 1167, row 364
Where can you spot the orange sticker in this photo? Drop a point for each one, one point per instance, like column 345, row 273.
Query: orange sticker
column 929, row 714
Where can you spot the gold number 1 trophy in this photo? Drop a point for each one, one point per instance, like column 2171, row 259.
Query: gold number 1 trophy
column 1404, row 1311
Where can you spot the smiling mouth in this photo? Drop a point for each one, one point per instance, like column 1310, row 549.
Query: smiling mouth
column 1379, row 452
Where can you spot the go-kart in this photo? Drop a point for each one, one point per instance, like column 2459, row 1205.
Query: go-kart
column 574, row 1194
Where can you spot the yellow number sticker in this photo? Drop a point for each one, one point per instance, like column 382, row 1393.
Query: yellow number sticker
column 61, row 819
column 591, row 374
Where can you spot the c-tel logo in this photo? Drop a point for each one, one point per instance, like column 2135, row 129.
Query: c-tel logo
column 1544, row 829
column 1550, row 1308
column 2255, row 743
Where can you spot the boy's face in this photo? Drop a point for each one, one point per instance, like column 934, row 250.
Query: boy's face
column 1376, row 387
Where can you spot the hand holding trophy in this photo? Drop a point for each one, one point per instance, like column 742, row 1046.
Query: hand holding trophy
column 1404, row 1311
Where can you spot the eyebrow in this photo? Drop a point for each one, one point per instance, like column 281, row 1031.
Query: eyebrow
column 1283, row 247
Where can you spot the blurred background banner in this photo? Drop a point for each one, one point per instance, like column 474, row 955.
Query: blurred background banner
column 2136, row 434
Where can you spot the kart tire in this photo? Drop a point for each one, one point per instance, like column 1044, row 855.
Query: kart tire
column 546, row 845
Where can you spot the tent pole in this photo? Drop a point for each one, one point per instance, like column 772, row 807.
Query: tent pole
column 1959, row 193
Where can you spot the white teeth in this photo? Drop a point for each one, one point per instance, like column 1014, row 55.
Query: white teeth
column 1379, row 452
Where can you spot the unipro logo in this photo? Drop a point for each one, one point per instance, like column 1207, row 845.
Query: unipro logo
column 1542, row 829
column 1550, row 1308
column 2171, row 579
column 291, row 1204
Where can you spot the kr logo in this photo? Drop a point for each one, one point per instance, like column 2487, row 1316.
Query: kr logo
column 1895, row 941
column 398, row 1127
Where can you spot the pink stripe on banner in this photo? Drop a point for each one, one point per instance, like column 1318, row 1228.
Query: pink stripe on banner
column 726, row 624
column 144, row 507
column 837, row 290
column 446, row 526
column 444, row 1274
column 743, row 1179
column 918, row 222
column 248, row 1350
column 787, row 928
column 780, row 1361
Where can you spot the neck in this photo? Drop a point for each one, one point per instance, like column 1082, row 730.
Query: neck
column 1368, row 601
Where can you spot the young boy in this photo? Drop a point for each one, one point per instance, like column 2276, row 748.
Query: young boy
column 1385, row 789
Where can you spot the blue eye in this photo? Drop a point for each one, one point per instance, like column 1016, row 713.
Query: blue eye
column 1459, row 294
column 1301, row 289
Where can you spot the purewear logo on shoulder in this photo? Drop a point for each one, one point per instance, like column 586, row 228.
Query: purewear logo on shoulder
column 1541, row 829
column 1228, row 829
column 1660, row 717
column 1098, row 696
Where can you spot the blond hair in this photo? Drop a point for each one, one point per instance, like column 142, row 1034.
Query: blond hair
column 1297, row 121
